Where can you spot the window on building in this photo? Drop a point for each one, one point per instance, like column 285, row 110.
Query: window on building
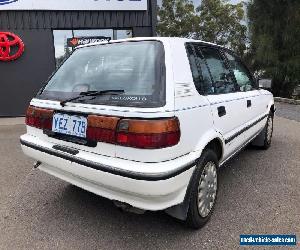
column 63, row 49
column 60, row 45
column 122, row 34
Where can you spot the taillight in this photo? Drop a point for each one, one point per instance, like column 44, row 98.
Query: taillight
column 39, row 117
column 150, row 134
column 102, row 128
column 147, row 134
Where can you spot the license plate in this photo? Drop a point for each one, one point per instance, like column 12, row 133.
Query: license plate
column 69, row 124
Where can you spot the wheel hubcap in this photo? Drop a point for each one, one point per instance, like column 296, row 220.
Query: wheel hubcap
column 269, row 129
column 207, row 189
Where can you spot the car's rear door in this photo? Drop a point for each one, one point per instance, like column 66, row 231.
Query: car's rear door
column 131, row 75
column 228, row 104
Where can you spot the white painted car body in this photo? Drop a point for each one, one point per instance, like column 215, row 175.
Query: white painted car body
column 154, row 179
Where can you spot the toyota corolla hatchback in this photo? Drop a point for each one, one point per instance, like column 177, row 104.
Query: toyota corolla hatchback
column 147, row 122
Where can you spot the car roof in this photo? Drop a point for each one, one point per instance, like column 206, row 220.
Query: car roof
column 163, row 39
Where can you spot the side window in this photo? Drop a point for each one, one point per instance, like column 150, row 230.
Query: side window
column 200, row 71
column 223, row 80
column 241, row 73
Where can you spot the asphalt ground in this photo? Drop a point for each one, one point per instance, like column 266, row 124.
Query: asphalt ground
column 288, row 111
column 259, row 193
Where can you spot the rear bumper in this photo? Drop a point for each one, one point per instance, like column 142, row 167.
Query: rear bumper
column 149, row 186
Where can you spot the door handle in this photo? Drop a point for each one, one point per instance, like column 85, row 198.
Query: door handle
column 249, row 103
column 221, row 111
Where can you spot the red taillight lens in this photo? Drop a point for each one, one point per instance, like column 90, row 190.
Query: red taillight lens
column 149, row 141
column 102, row 128
column 101, row 135
column 39, row 117
column 148, row 134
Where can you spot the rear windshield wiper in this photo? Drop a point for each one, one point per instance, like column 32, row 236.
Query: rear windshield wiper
column 93, row 93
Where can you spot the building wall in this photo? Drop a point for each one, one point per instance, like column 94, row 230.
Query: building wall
column 21, row 79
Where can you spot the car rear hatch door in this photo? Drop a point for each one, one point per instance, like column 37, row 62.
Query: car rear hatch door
column 138, row 68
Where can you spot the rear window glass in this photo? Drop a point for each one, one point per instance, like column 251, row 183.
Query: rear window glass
column 136, row 67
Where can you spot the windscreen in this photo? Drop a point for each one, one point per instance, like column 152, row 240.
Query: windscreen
column 137, row 67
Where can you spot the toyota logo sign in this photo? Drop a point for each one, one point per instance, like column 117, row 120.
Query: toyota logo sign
column 11, row 46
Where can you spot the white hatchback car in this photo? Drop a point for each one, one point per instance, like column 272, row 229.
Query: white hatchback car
column 147, row 122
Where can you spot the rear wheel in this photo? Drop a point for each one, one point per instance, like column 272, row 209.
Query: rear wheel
column 203, row 190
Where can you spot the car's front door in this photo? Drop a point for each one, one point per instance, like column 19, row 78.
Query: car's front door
column 246, row 83
column 256, row 105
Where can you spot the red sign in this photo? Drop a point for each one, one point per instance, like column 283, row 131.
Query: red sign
column 74, row 42
column 11, row 46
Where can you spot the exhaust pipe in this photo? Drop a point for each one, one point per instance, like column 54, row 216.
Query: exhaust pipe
column 128, row 208
column 37, row 164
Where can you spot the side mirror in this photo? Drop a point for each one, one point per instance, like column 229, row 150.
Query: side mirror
column 265, row 83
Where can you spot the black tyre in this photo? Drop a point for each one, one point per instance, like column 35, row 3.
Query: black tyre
column 204, row 188
column 268, row 132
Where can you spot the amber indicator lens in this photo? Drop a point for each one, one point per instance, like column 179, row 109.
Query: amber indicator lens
column 104, row 122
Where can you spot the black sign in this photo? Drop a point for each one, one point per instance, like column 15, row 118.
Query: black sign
column 77, row 41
